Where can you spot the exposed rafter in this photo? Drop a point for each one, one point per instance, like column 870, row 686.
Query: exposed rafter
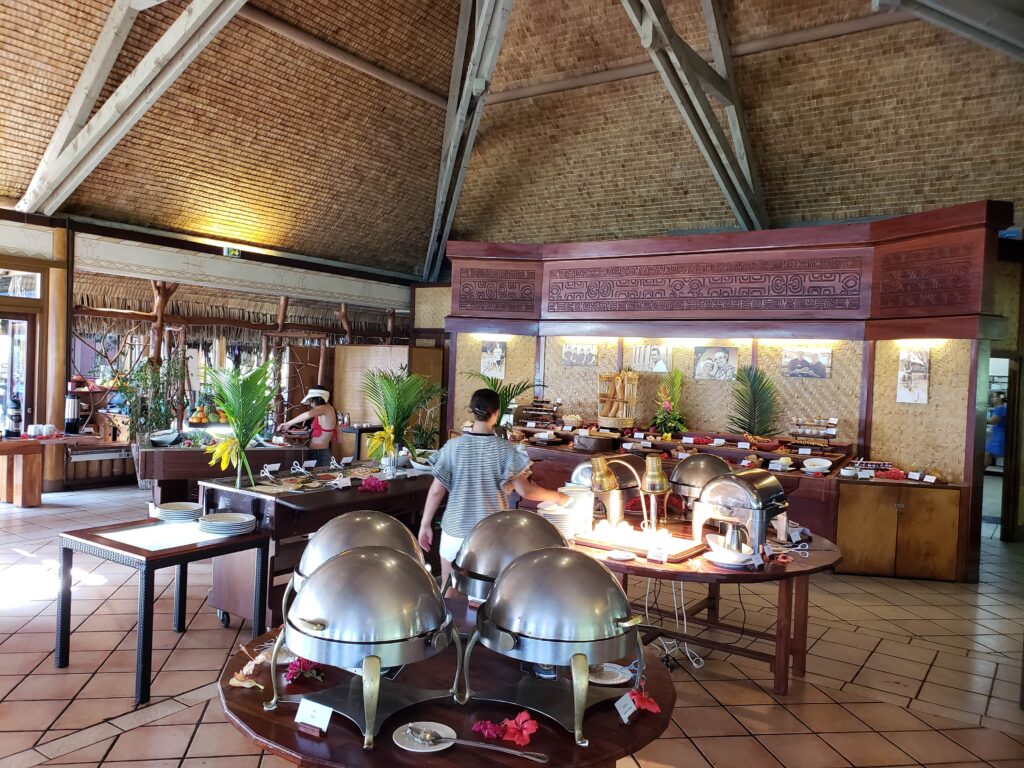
column 86, row 148
column 986, row 22
column 464, row 114
column 688, row 84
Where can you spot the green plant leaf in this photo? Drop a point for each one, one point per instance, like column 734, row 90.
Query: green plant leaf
column 245, row 398
column 507, row 391
column 755, row 403
column 396, row 397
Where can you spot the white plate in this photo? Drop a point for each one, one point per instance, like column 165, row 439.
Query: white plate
column 179, row 506
column 610, row 674
column 228, row 518
column 405, row 741
column 723, row 560
column 621, row 555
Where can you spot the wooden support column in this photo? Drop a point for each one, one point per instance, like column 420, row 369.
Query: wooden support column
column 162, row 292
column 54, row 382
column 345, row 322
column 389, row 333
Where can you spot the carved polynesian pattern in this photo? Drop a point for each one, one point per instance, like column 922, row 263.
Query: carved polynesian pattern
column 801, row 283
column 936, row 276
column 497, row 290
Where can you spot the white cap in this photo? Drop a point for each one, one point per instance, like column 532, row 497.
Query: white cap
column 323, row 394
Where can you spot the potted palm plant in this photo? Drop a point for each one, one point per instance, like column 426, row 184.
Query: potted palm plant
column 245, row 398
column 507, row 394
column 396, row 397
column 755, row 403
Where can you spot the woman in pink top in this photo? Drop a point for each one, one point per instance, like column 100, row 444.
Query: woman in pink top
column 324, row 428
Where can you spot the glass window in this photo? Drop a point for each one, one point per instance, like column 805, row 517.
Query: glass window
column 24, row 285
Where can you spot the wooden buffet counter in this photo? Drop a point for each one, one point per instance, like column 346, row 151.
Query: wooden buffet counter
column 171, row 469
column 290, row 518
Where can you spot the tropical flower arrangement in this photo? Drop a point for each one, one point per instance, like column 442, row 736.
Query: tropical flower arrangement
column 245, row 398
column 196, row 438
column 668, row 416
column 396, row 396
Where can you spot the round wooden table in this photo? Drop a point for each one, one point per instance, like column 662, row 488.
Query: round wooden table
column 790, row 636
column 342, row 745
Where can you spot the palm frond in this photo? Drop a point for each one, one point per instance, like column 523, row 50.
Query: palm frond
column 245, row 398
column 755, row 403
column 396, row 396
column 507, row 391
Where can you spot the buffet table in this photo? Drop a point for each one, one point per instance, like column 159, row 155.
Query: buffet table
column 790, row 636
column 172, row 469
column 342, row 745
column 21, row 472
column 289, row 518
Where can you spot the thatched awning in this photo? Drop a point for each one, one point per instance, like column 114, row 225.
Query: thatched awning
column 124, row 293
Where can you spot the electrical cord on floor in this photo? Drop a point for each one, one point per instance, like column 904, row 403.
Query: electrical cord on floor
column 671, row 647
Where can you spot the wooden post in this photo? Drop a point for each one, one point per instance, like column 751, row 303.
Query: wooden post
column 389, row 334
column 282, row 312
column 54, row 382
column 321, row 368
column 179, row 411
column 345, row 323
column 162, row 292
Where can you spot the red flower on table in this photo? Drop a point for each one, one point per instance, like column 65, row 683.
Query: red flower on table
column 487, row 729
column 520, row 729
column 373, row 485
column 304, row 668
column 642, row 701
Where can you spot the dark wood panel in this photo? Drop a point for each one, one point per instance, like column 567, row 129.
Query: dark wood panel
column 194, row 463
column 866, row 528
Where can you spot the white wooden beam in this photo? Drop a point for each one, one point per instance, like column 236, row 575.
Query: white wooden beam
column 981, row 21
column 489, row 33
column 178, row 47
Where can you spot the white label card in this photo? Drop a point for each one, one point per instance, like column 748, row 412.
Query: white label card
column 804, row 452
column 687, row 441
column 626, row 708
column 309, row 463
column 742, row 445
column 865, row 474
column 646, row 444
column 794, row 535
column 638, row 435
column 272, row 467
column 316, row 715
column 913, row 476
column 930, row 478
column 531, row 424
column 745, row 463
column 346, row 460
column 344, row 482
column 583, row 431
column 768, row 551
column 833, row 420
column 831, row 431
column 757, row 561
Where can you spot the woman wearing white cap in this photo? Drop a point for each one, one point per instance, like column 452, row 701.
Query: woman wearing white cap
column 325, row 424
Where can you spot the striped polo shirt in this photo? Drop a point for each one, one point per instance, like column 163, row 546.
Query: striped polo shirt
column 477, row 470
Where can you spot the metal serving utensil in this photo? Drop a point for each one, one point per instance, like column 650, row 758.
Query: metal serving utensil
column 427, row 736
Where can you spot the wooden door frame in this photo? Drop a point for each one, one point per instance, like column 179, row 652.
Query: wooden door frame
column 1009, row 529
column 31, row 319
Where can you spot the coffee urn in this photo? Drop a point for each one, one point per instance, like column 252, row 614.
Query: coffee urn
column 71, row 415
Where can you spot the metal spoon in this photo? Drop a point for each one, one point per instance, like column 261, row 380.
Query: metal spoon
column 427, row 736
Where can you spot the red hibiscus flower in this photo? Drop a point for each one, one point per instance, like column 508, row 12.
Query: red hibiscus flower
column 642, row 701
column 519, row 730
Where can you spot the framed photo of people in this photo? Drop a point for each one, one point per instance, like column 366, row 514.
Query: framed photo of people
column 715, row 363
column 807, row 362
column 912, row 379
column 652, row 358
column 579, row 355
column 492, row 358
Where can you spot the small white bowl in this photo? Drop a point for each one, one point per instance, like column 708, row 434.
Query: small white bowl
column 817, row 465
column 722, row 552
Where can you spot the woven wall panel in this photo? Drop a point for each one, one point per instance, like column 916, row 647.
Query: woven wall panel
column 432, row 306
column 932, row 435
column 1008, row 287
column 577, row 385
column 755, row 19
column 519, row 366
column 838, row 395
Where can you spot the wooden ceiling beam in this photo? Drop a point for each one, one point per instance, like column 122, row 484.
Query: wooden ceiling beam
column 178, row 47
column 981, row 21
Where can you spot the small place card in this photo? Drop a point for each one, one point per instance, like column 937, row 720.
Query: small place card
column 531, row 424
column 804, row 452
column 346, row 460
column 930, row 478
column 834, row 420
column 831, row 431
column 646, row 444
column 794, row 535
column 626, row 708
column 583, row 431
column 718, row 441
column 746, row 463
column 865, row 474
column 757, row 561
column 687, row 441
column 638, row 435
column 344, row 482
column 657, row 555
column 316, row 715
column 308, row 463
column 913, row 476
column 272, row 467
column 558, row 401
column 743, row 444
column 629, row 446
column 769, row 552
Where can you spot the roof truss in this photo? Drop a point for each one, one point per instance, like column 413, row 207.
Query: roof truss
column 689, row 79
column 987, row 22
column 77, row 145
column 471, row 82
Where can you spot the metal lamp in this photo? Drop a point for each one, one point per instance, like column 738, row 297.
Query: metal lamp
column 654, row 483
column 602, row 479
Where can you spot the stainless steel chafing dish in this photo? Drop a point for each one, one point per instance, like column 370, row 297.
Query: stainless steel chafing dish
column 748, row 498
column 366, row 608
column 558, row 606
column 694, row 472
column 613, row 503
column 495, row 542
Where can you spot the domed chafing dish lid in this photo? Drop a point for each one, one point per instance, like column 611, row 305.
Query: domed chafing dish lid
column 627, row 480
column 560, row 595
column 360, row 528
column 495, row 542
column 745, row 489
column 694, row 472
column 368, row 595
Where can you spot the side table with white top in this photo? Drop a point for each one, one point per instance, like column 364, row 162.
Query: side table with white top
column 148, row 545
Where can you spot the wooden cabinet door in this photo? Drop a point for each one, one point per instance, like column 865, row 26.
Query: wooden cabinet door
column 926, row 541
column 866, row 529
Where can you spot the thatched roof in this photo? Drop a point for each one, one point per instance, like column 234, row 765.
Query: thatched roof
column 108, row 292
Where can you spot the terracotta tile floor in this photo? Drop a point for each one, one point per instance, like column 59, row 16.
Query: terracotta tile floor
column 900, row 672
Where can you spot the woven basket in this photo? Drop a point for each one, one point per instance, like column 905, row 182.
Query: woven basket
column 615, row 423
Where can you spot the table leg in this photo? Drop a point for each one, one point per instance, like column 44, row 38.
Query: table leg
column 144, row 637
column 799, row 645
column 782, row 634
column 358, row 447
column 180, row 597
column 6, row 479
column 259, row 607
column 714, row 591
column 62, row 647
column 28, row 479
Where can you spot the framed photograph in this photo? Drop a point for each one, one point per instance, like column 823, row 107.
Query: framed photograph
column 715, row 363
column 579, row 355
column 651, row 358
column 492, row 358
column 912, row 378
column 807, row 362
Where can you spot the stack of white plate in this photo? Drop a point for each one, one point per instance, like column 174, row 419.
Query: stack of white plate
column 227, row 523
column 563, row 518
column 178, row 511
